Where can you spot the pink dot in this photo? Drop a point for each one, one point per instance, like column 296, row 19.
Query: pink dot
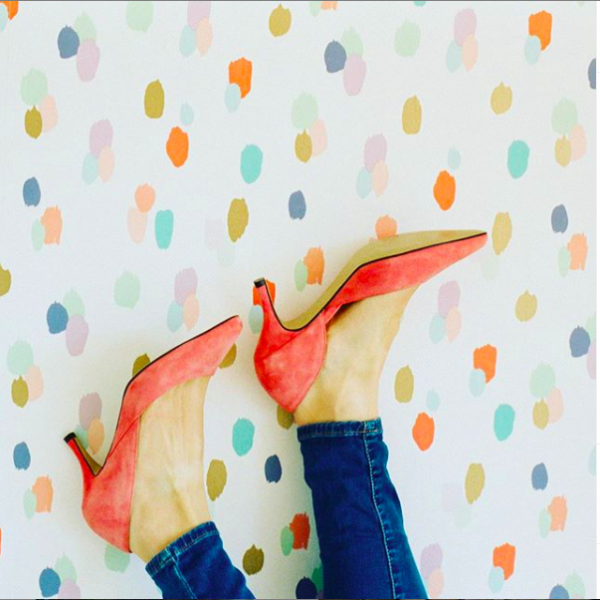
column 106, row 163
column 355, row 72
column 318, row 135
column 448, row 297
column 35, row 382
column 469, row 52
column 191, row 311
column 555, row 405
column 591, row 360
column 380, row 177
column 90, row 408
column 204, row 36
column 136, row 224
column 431, row 559
column 69, row 590
column 76, row 335
column 578, row 142
column 49, row 113
column 375, row 151
column 453, row 323
column 196, row 12
column 101, row 135
column 186, row 283
column 465, row 24
column 88, row 58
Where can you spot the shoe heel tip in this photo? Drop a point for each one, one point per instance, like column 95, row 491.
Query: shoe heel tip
column 69, row 437
column 258, row 283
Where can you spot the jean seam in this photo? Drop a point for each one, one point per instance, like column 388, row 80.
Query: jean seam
column 379, row 517
column 184, row 581
column 312, row 436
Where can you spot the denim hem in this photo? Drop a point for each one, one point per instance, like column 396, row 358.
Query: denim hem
column 179, row 546
column 340, row 429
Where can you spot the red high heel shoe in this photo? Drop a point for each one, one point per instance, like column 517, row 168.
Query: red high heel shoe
column 108, row 490
column 289, row 355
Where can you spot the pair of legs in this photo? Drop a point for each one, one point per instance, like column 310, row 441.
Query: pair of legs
column 364, row 548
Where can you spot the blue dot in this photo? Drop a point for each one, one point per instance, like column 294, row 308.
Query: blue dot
column 31, row 192
column 539, row 477
column 559, row 593
column 22, row 457
column 273, row 469
column 49, row 583
column 579, row 342
column 297, row 205
column 306, row 589
column 335, row 57
column 560, row 219
column 57, row 318
column 68, row 42
column 592, row 74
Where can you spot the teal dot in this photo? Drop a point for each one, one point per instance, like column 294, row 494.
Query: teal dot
column 564, row 117
column 3, row 16
column 518, row 158
column 243, row 436
column 256, row 318
column 186, row 114
column 477, row 382
column 317, row 577
column 504, row 420
column 251, row 163
column 29, row 504
column 19, row 358
column 544, row 523
column 433, row 400
column 420, row 2
column 304, row 111
column 34, row 87
column 174, row 316
column 233, row 97
column 115, row 559
column 496, row 579
column 363, row 183
column 590, row 327
column 453, row 57
column 49, row 583
column 139, row 15
column 437, row 329
column 533, row 49
column 564, row 261
column 187, row 41
column 38, row 233
column 163, row 228
column 454, row 159
column 286, row 539
column 89, row 170
column 407, row 40
column 542, row 381
column 300, row 275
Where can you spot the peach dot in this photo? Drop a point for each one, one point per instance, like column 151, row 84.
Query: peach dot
column 95, row 435
column 444, row 190
column 178, row 146
column 35, row 382
column 576, row 137
column 453, row 323
column 379, row 179
column 386, row 227
column 315, row 265
column 469, row 52
column 540, row 25
column 558, row 513
column 44, row 494
column 578, row 248
column 191, row 311
column 106, row 163
column 484, row 358
column 52, row 222
column 204, row 36
column 240, row 72
column 145, row 197
column 423, row 431
column 49, row 113
column 555, row 405
column 318, row 136
column 435, row 584
column 136, row 224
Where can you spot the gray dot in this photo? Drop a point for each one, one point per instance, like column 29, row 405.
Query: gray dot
column 560, row 219
column 335, row 57
column 592, row 74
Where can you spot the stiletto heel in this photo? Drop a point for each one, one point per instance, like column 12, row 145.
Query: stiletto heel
column 108, row 489
column 290, row 354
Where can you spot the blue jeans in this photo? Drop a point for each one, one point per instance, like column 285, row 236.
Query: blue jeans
column 364, row 548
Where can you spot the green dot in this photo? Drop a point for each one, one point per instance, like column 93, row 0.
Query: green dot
column 518, row 158
column 590, row 327
column 29, row 504
column 127, row 290
column 34, row 87
column 304, row 112
column 574, row 585
column 300, row 275
column 286, row 540
column 73, row 304
column 233, row 96
column 65, row 569
column 544, row 523
column 504, row 420
column 243, row 436
column 542, row 381
column 496, row 579
column 408, row 38
column 19, row 358
column 317, row 577
column 251, row 163
column 315, row 7
column 564, row 117
column 85, row 28
column 352, row 42
column 433, row 400
column 564, row 261
column 116, row 560
column 139, row 15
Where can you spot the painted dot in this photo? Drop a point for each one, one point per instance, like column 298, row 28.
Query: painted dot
column 474, row 482
column 407, row 39
column 306, row 588
column 592, row 73
column 526, row 306
column 558, row 592
column 364, row 183
column 412, row 116
column 251, row 163
column 286, row 541
column 501, row 232
column 178, row 146
column 253, row 561
column 532, row 49
column 186, row 114
column 68, row 42
column 542, row 381
column 31, row 192
column 423, row 431
column 555, row 405
column 19, row 358
column 485, row 358
column 404, row 384
column 139, row 15
column 541, row 414
column 85, row 27
column 335, row 57
column 477, row 382
column 304, row 111
column 89, row 169
column 504, row 421
column 243, row 436
column 90, row 408
column 574, row 586
column 540, row 26
column 240, row 73
column 273, row 469
column 33, row 123
column 3, row 16
column 233, row 96
column 453, row 57
column 65, row 569
column 5, row 281
column 564, row 117
column 559, row 219
column 578, row 249
column 297, row 205
column 285, row 419
column 518, row 159
column 544, row 523
column 280, row 21
column 444, row 190
column 154, row 100
column 174, row 316
column 216, row 478
column 116, row 560
column 76, row 335
column 19, row 392
column 187, row 41
column 34, row 87
column 579, row 342
column 539, row 477
column 454, row 159
column 496, row 580
column 501, row 99
column 163, row 228
column 127, row 290
column 386, row 227
column 237, row 219
column 57, row 318
column 22, row 457
column 88, row 59
column 562, row 151
column 300, row 527
column 49, row 583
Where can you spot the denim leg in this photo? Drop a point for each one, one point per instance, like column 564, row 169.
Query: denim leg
column 197, row 566
column 364, row 548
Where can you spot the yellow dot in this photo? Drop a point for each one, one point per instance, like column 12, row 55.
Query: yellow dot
column 411, row 116
column 237, row 218
column 303, row 146
column 5, row 281
column 20, row 392
column 154, row 100
column 284, row 418
column 139, row 363
column 405, row 384
column 501, row 100
column 562, row 151
column 280, row 21
column 526, row 306
column 541, row 414
column 501, row 232
column 474, row 482
column 216, row 479
column 253, row 561
column 33, row 123
column 229, row 357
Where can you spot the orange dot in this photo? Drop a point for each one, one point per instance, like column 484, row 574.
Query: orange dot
column 484, row 358
column 315, row 264
column 386, row 227
column 256, row 297
column 329, row 5
column 144, row 197
column 423, row 431
column 540, row 25
column 578, row 248
column 12, row 8
column 52, row 222
column 240, row 72
column 444, row 190
column 44, row 494
column 178, row 146
column 300, row 527
column 504, row 557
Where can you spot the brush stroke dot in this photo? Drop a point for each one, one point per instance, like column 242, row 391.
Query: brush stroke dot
column 237, row 219
column 335, row 57
column 404, row 385
column 19, row 358
column 504, row 421
column 154, row 100
column 243, row 436
column 251, row 163
column 32, row 193
column 49, row 583
column 297, row 205
column 21, row 457
column 57, row 318
column 68, row 42
column 116, row 560
column 407, row 39
column 579, row 342
column 518, row 159
column 306, row 589
column 253, row 561
column 139, row 15
column 127, row 290
column 216, row 478
column 163, row 228
column 280, row 21
column 539, row 477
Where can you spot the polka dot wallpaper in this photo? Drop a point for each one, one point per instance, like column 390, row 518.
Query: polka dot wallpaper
column 156, row 157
